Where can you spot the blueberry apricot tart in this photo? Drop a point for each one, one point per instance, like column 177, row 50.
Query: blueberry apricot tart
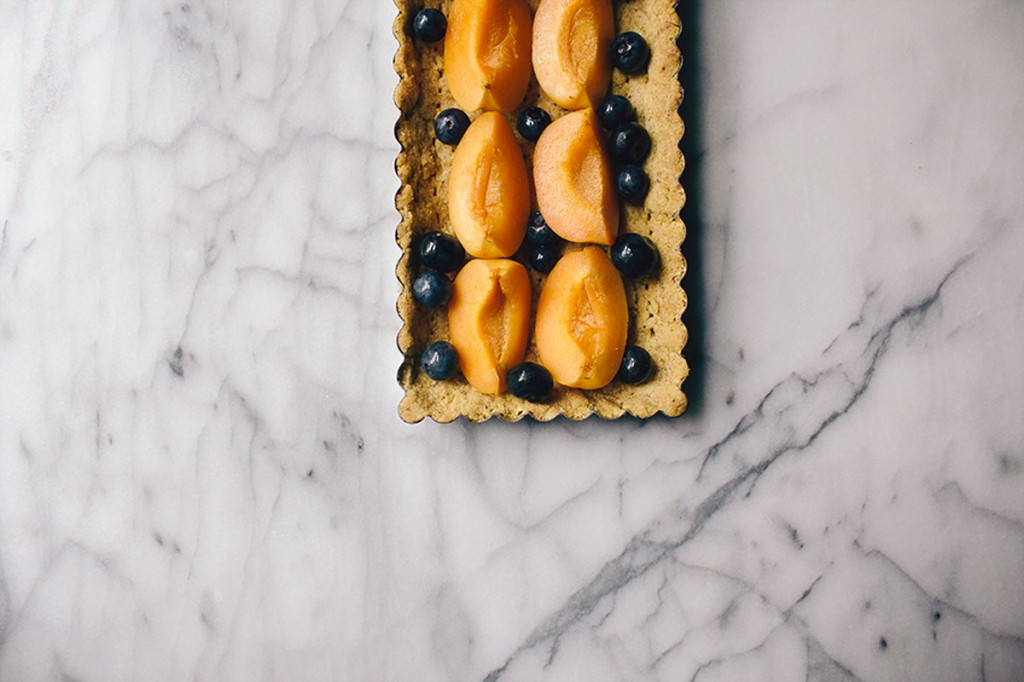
column 541, row 272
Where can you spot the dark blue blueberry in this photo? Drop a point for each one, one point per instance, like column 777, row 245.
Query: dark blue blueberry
column 630, row 53
column 532, row 123
column 632, row 183
column 429, row 25
column 538, row 232
column 432, row 289
column 543, row 258
column 630, row 143
column 440, row 252
column 450, row 125
column 440, row 360
column 636, row 367
column 530, row 382
column 613, row 111
column 634, row 255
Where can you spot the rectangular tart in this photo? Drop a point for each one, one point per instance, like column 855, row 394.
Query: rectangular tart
column 656, row 303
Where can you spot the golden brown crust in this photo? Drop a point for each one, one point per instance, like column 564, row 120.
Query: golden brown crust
column 656, row 304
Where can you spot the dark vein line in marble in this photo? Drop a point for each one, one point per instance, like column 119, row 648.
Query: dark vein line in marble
column 714, row 662
column 760, row 647
column 561, row 506
column 956, row 494
column 818, row 656
column 176, row 363
column 643, row 552
column 856, row 324
column 878, row 342
column 745, row 588
column 821, row 667
column 3, row 239
column 742, row 426
column 810, row 588
column 939, row 604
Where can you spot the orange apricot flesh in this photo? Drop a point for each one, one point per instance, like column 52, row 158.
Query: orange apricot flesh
column 487, row 53
column 582, row 320
column 572, row 176
column 489, row 189
column 571, row 50
column 489, row 320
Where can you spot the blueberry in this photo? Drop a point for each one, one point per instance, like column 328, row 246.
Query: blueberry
column 530, row 382
column 630, row 53
column 634, row 255
column 614, row 110
column 636, row 367
column 543, row 258
column 450, row 125
column 630, row 143
column 632, row 183
column 440, row 252
column 440, row 360
column 429, row 25
column 532, row 123
column 537, row 231
column 432, row 289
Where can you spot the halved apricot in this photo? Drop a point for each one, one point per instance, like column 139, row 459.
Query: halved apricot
column 571, row 50
column 489, row 189
column 573, row 180
column 582, row 320
column 489, row 320
column 487, row 53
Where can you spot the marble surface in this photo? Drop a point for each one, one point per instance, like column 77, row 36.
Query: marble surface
column 202, row 472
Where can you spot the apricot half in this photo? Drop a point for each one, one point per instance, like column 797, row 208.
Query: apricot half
column 573, row 180
column 489, row 189
column 489, row 320
column 487, row 53
column 572, row 50
column 582, row 320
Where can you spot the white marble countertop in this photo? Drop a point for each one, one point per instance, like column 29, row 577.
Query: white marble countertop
column 202, row 471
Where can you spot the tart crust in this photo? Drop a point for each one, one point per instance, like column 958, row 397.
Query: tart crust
column 656, row 303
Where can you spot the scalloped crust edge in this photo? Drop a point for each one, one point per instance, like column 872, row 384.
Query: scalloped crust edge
column 445, row 402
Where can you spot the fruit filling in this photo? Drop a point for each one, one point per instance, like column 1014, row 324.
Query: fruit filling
column 573, row 180
column 488, row 189
column 571, row 50
column 582, row 320
column 487, row 53
column 489, row 320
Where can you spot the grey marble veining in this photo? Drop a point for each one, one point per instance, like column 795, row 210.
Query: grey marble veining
column 202, row 471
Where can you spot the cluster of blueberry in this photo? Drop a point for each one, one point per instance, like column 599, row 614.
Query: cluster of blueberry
column 441, row 254
column 635, row 257
column 630, row 144
column 546, row 244
column 432, row 288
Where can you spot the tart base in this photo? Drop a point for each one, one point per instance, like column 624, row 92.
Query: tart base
column 656, row 303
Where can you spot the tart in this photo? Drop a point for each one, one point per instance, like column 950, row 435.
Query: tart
column 655, row 302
